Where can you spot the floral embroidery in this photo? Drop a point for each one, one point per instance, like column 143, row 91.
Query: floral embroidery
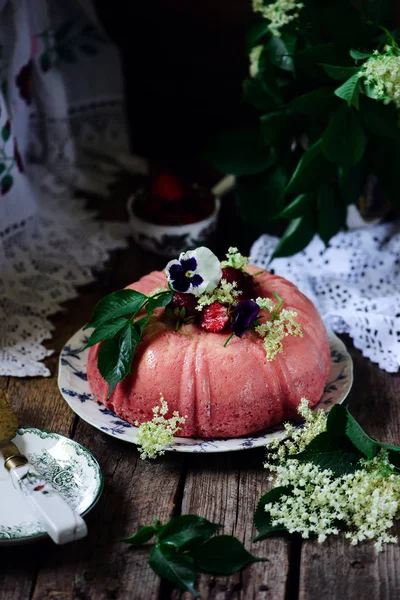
column 23, row 81
column 6, row 161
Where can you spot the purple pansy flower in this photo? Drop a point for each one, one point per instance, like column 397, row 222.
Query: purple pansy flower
column 195, row 272
column 244, row 315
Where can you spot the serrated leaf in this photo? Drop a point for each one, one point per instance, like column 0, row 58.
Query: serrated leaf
column 106, row 331
column 359, row 55
column 331, row 452
column 115, row 357
column 298, row 207
column 339, row 73
column 331, row 213
column 273, row 126
column 176, row 567
column 117, row 304
column 142, row 536
column 239, row 153
column 262, row 519
column 350, row 91
column 317, row 102
column 223, row 555
column 341, row 422
column 312, row 169
column 296, row 237
column 344, row 141
column 184, row 531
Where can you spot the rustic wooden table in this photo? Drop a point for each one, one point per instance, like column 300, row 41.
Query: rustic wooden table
column 223, row 488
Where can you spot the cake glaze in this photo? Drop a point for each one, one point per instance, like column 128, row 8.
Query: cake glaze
column 223, row 391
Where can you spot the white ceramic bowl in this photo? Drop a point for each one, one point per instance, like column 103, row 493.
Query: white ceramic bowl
column 171, row 240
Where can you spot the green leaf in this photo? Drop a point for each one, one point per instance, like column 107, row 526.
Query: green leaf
column 317, row 102
column 239, row 153
column 115, row 357
column 341, row 422
column 63, row 30
column 176, row 567
column 142, row 536
column 331, row 213
column 65, row 54
column 298, row 207
column 281, row 51
column 296, row 237
column 313, row 168
column 159, row 301
column 181, row 532
column 2, row 168
column 6, row 132
column 273, row 126
column 379, row 119
column 344, row 141
column 331, row 452
column 106, row 331
column 223, row 555
column 359, row 55
column 256, row 31
column 255, row 94
column 262, row 519
column 393, row 453
column 260, row 197
column 339, row 73
column 350, row 91
column 117, row 304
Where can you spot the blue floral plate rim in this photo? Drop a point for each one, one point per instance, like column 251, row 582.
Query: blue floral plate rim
column 74, row 387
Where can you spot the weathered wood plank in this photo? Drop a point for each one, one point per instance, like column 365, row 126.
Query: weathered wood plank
column 336, row 569
column 101, row 566
column 225, row 489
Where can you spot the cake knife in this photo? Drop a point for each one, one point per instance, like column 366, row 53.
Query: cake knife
column 55, row 515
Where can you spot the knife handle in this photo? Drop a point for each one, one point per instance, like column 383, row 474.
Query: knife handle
column 55, row 515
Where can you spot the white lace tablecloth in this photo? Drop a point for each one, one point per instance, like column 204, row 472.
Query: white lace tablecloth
column 354, row 283
column 62, row 128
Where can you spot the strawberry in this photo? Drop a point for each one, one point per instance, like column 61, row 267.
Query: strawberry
column 244, row 282
column 214, row 317
column 186, row 301
column 168, row 187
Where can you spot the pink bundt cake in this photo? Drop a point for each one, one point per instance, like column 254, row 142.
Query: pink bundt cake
column 227, row 391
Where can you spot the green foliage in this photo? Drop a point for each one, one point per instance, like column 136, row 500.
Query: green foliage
column 116, row 324
column 185, row 546
column 319, row 119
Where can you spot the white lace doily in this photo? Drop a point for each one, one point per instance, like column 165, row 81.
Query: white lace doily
column 354, row 283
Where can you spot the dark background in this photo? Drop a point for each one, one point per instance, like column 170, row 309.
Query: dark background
column 184, row 63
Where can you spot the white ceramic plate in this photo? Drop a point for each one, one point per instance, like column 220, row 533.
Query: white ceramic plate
column 73, row 384
column 67, row 465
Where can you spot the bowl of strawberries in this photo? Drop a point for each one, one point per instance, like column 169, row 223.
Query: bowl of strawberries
column 170, row 215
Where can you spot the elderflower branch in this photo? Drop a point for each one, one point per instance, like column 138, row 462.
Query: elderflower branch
column 235, row 259
column 281, row 324
column 364, row 503
column 156, row 435
column 279, row 13
column 381, row 73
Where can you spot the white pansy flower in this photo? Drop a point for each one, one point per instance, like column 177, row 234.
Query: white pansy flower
column 195, row 272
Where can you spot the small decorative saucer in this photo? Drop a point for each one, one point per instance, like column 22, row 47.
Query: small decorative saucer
column 73, row 384
column 67, row 465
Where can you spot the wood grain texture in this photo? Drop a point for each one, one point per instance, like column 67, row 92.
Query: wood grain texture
column 337, row 569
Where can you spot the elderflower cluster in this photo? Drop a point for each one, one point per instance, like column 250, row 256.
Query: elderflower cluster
column 155, row 435
column 382, row 73
column 254, row 60
column 225, row 293
column 281, row 325
column 235, row 259
column 366, row 502
column 280, row 13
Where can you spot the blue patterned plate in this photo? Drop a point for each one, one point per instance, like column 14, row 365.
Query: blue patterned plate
column 74, row 387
